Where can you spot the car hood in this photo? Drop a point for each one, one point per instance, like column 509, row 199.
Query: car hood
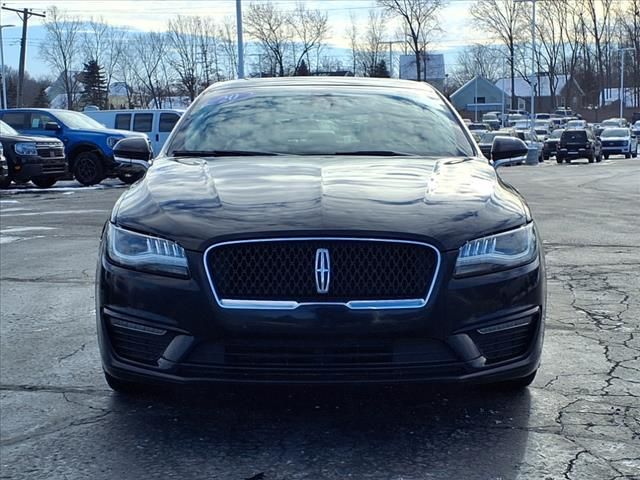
column 112, row 131
column 27, row 138
column 197, row 202
column 605, row 139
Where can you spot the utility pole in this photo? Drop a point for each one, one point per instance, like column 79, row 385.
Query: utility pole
column 390, row 44
column 240, row 42
column 2, row 73
column 24, row 15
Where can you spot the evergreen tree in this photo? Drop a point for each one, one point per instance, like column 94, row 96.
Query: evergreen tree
column 380, row 70
column 95, row 85
column 302, row 70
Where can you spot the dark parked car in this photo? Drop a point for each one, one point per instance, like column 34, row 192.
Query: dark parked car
column 39, row 159
column 550, row 146
column 486, row 140
column 306, row 230
column 578, row 143
column 89, row 145
column 4, row 167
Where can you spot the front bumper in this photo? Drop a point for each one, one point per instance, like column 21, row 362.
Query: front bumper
column 618, row 149
column 163, row 330
column 38, row 167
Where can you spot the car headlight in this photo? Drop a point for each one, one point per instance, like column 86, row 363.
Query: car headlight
column 26, row 148
column 145, row 253
column 497, row 252
column 111, row 141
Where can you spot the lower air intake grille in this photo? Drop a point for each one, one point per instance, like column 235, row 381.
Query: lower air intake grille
column 130, row 343
column 500, row 345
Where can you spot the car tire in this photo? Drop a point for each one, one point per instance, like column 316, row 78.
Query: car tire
column 44, row 181
column 591, row 158
column 558, row 159
column 130, row 178
column 606, row 156
column 124, row 387
column 546, row 157
column 5, row 183
column 627, row 155
column 516, row 383
column 599, row 158
column 88, row 169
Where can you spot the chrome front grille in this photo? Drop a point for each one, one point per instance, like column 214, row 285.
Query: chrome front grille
column 357, row 272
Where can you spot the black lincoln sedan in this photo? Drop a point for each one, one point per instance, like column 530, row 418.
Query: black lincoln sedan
column 315, row 230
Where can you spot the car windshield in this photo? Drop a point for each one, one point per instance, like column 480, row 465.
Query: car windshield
column 7, row 130
column 541, row 131
column 615, row 132
column 477, row 126
column 321, row 121
column 78, row 121
column 610, row 123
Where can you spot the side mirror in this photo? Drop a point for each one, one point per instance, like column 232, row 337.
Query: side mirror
column 133, row 154
column 507, row 150
column 52, row 126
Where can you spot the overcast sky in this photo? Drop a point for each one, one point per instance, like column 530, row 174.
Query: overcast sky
column 153, row 15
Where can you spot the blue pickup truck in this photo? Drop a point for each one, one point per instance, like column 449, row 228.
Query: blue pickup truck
column 89, row 145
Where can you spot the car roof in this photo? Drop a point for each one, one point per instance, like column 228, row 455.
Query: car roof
column 320, row 82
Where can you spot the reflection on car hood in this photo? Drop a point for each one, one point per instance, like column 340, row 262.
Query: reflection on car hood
column 197, row 202
column 28, row 138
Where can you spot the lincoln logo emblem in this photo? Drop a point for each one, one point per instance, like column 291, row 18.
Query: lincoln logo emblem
column 323, row 270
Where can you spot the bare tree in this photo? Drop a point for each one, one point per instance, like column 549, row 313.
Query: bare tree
column 598, row 12
column 229, row 46
column 271, row 28
column 420, row 18
column 145, row 57
column 504, row 19
column 61, row 50
column 184, row 40
column 629, row 22
column 309, row 28
column 352, row 35
column 104, row 44
column 479, row 60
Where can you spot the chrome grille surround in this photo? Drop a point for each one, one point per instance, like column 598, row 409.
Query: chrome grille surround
column 382, row 304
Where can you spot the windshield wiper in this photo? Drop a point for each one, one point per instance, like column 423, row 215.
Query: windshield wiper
column 221, row 153
column 377, row 153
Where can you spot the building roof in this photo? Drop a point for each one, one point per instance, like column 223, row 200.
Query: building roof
column 523, row 87
column 471, row 84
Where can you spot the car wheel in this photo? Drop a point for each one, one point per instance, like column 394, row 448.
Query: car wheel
column 591, row 158
column 130, row 178
column 599, row 158
column 627, row 155
column 5, row 183
column 124, row 387
column 558, row 159
column 634, row 154
column 606, row 156
column 88, row 168
column 45, row 181
column 546, row 157
column 516, row 383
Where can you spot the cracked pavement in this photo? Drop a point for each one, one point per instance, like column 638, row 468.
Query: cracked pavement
column 580, row 419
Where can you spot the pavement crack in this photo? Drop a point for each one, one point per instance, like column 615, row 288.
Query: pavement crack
column 79, row 349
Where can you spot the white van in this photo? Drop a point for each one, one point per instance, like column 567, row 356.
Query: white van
column 157, row 124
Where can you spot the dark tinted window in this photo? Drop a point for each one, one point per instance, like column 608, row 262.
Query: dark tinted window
column 578, row 136
column 142, row 122
column 15, row 119
column 123, row 121
column 168, row 121
column 311, row 121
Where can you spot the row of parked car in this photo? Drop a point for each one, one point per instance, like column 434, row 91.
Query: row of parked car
column 575, row 138
column 47, row 145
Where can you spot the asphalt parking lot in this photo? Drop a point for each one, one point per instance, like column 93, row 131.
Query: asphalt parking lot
column 580, row 420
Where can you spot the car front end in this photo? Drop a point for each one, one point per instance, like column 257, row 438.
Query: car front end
column 354, row 267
